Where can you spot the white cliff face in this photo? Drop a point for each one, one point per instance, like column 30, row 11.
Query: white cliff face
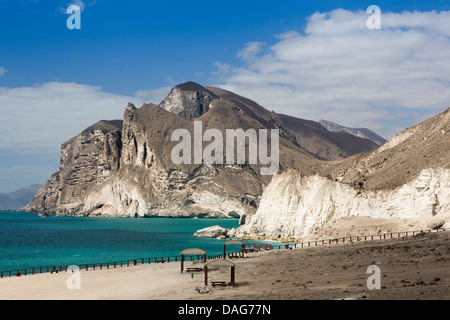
column 116, row 199
column 174, row 102
column 293, row 206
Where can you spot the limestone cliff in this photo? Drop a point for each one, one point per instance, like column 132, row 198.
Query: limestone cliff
column 408, row 177
column 295, row 206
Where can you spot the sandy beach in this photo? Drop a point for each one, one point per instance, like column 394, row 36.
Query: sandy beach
column 411, row 268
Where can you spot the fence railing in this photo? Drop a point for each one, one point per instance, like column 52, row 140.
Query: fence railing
column 249, row 248
column 104, row 265
column 390, row 235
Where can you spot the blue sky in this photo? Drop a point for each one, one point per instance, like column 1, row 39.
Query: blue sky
column 65, row 80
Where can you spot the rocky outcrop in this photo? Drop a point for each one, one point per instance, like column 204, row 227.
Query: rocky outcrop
column 189, row 100
column 87, row 160
column 211, row 232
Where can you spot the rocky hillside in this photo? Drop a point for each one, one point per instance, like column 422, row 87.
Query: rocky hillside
column 124, row 168
column 407, row 178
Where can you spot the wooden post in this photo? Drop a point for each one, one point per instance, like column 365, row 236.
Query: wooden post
column 224, row 251
column 232, row 275
column 206, row 275
column 182, row 263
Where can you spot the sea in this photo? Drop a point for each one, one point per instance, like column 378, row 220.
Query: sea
column 28, row 240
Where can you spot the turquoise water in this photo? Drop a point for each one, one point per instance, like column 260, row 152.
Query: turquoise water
column 27, row 240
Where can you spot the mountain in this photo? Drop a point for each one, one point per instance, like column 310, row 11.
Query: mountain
column 361, row 132
column 407, row 179
column 125, row 168
column 19, row 198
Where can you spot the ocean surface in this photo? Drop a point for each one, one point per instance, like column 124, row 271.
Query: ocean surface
column 27, row 240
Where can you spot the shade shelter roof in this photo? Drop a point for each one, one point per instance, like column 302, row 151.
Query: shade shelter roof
column 219, row 263
column 193, row 252
column 233, row 242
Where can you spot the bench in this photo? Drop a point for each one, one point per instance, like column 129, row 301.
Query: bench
column 159, row 260
column 194, row 269
column 219, row 283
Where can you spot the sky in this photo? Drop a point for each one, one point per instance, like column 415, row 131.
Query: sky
column 310, row 59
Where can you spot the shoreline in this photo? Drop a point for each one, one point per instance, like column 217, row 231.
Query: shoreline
column 412, row 268
column 314, row 242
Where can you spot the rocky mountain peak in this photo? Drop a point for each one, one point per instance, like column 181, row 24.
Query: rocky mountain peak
column 188, row 100
column 357, row 132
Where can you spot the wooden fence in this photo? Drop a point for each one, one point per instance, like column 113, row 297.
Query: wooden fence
column 103, row 265
column 249, row 248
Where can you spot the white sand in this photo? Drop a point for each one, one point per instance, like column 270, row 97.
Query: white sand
column 154, row 281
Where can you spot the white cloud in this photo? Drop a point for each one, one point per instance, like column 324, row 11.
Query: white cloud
column 37, row 120
column 339, row 70
column 222, row 72
column 251, row 50
column 170, row 80
column 79, row 3
column 2, row 71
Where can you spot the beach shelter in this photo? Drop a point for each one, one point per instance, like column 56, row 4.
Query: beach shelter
column 221, row 263
column 192, row 252
column 233, row 242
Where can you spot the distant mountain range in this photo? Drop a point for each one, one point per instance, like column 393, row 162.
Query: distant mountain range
column 19, row 198
column 360, row 132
